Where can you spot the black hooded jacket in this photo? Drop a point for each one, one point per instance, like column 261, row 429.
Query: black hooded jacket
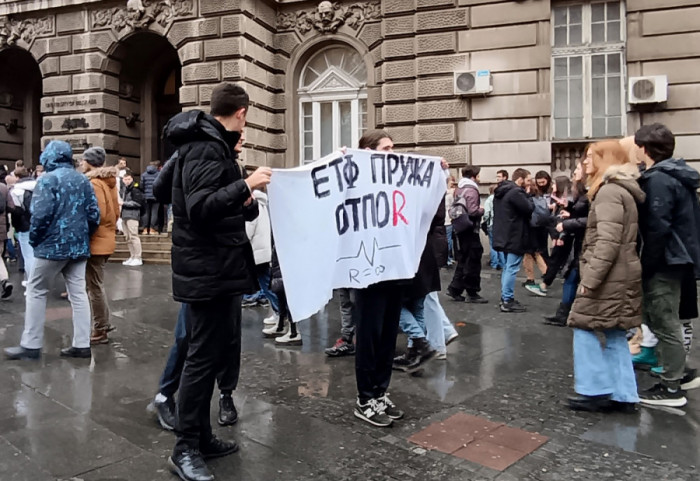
column 669, row 219
column 512, row 209
column 211, row 253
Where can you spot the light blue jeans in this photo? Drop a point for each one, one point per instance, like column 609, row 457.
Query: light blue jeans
column 600, row 370
column 412, row 320
column 27, row 253
column 496, row 259
column 450, row 245
column 435, row 318
column 510, row 271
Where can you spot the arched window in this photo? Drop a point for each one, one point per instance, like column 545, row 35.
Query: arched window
column 332, row 102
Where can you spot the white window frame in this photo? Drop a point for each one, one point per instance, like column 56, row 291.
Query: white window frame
column 314, row 93
column 587, row 50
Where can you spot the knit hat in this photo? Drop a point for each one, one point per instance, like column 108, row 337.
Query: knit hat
column 95, row 156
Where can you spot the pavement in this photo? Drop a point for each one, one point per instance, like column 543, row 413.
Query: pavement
column 494, row 410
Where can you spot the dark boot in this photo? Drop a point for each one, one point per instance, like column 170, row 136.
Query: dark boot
column 579, row 402
column 560, row 318
column 424, row 349
column 407, row 361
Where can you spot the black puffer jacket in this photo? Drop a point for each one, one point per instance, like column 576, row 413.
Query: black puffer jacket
column 512, row 209
column 670, row 217
column 133, row 201
column 575, row 226
column 148, row 178
column 211, row 253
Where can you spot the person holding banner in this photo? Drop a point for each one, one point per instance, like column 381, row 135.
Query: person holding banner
column 212, row 263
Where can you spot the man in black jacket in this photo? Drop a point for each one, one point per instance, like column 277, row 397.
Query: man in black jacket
column 212, row 263
column 669, row 222
column 133, row 197
column 512, row 209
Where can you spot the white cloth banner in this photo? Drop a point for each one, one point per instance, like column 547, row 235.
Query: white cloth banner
column 351, row 220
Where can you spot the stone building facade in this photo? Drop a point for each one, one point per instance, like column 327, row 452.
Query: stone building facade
column 110, row 73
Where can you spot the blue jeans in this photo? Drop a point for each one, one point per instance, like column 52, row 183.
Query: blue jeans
column 412, row 320
column 510, row 271
column 264, row 292
column 435, row 318
column 496, row 259
column 570, row 287
column 601, row 370
column 450, row 245
column 10, row 248
column 170, row 380
column 27, row 252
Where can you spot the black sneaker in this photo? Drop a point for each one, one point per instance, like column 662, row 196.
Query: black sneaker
column 659, row 395
column 165, row 413
column 217, row 448
column 341, row 348
column 20, row 353
column 6, row 289
column 476, row 299
column 228, row 416
column 454, row 296
column 512, row 306
column 372, row 412
column 189, row 465
column 249, row 303
column 79, row 352
column 390, row 408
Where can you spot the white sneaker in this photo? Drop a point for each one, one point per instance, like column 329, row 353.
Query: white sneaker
column 272, row 320
column 24, row 283
column 289, row 340
column 272, row 331
column 441, row 356
column 127, row 262
column 451, row 338
column 136, row 262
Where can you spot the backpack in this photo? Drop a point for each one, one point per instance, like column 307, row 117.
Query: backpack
column 541, row 214
column 461, row 222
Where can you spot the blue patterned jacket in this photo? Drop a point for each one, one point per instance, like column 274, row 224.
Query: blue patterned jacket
column 64, row 208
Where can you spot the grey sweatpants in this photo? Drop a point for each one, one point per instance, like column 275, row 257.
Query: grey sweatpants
column 44, row 271
column 347, row 324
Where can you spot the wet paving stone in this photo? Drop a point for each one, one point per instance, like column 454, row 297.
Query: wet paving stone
column 498, row 402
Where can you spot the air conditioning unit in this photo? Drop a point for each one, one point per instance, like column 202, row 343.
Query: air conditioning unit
column 477, row 82
column 648, row 90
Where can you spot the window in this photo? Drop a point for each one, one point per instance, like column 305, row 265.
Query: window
column 332, row 102
column 588, row 70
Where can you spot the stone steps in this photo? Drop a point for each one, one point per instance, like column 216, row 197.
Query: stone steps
column 155, row 249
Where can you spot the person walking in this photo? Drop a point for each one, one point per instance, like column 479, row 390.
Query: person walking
column 512, row 208
column 609, row 300
column 467, row 275
column 103, row 240
column 212, row 263
column 449, row 200
column 149, row 221
column 344, row 345
column 132, row 202
column 6, row 286
column 64, row 215
column 669, row 225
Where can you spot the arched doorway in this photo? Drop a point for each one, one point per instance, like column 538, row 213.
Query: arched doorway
column 149, row 86
column 20, row 113
column 332, row 101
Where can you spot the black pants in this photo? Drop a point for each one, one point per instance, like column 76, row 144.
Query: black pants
column 558, row 259
column 376, row 313
column 214, row 331
column 149, row 220
column 467, row 274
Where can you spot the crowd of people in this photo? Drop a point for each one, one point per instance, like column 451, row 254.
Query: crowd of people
column 622, row 232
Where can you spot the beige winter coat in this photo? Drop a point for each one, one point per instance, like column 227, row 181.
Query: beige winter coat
column 611, row 273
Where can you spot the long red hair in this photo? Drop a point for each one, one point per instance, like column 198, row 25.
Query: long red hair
column 605, row 155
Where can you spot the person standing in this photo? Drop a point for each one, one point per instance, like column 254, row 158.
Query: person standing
column 496, row 259
column 449, row 200
column 609, row 300
column 149, row 221
column 212, row 263
column 103, row 240
column 670, row 225
column 512, row 208
column 19, row 203
column 132, row 202
column 344, row 345
column 5, row 284
column 467, row 276
column 64, row 215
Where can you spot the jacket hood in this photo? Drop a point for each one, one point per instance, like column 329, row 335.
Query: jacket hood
column 504, row 188
column 678, row 169
column 626, row 176
column 196, row 125
column 465, row 182
column 56, row 154
column 106, row 174
column 151, row 169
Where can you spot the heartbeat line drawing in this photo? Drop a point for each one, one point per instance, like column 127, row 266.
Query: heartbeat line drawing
column 368, row 255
